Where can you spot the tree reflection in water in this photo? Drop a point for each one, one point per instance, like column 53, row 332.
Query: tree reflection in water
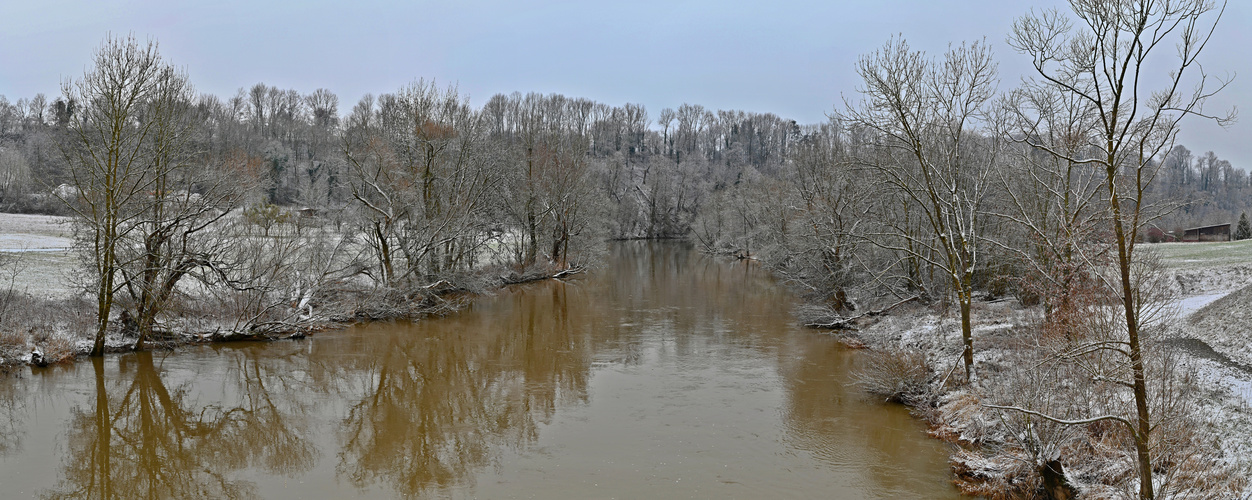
column 12, row 404
column 144, row 439
column 267, row 428
column 447, row 397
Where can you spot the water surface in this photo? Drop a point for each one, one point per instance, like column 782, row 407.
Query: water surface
column 663, row 375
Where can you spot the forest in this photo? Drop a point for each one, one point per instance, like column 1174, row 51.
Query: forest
column 276, row 212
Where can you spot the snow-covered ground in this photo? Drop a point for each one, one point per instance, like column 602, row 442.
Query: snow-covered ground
column 1189, row 305
column 15, row 243
column 1202, row 255
column 1215, row 333
column 1212, row 285
column 1217, row 337
column 21, row 232
column 1225, row 324
column 35, row 255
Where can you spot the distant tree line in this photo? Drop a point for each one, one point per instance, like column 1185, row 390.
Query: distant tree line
column 655, row 170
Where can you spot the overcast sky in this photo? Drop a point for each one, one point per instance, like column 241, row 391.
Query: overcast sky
column 794, row 59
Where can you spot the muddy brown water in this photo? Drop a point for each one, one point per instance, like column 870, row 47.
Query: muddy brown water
column 663, row 375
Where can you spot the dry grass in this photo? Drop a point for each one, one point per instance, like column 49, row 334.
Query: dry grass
column 49, row 325
column 57, row 348
column 12, row 343
column 1002, row 476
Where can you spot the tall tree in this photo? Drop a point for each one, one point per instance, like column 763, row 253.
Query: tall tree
column 1110, row 59
column 113, row 134
column 175, row 227
column 1052, row 202
column 422, row 179
column 147, row 204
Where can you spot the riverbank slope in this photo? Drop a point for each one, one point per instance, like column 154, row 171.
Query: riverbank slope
column 914, row 356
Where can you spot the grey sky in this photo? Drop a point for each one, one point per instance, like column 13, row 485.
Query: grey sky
column 794, row 59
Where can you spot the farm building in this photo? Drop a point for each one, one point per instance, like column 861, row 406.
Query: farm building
column 1220, row 232
column 1158, row 235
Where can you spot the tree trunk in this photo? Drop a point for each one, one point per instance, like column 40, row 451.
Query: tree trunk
column 967, row 333
column 104, row 295
column 384, row 254
column 1144, row 421
column 1055, row 486
column 148, row 300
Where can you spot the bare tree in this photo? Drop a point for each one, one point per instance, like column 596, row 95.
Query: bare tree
column 422, row 178
column 37, row 107
column 148, row 203
column 111, row 148
column 665, row 121
column 1109, row 60
column 1051, row 202
column 324, row 105
column 14, row 176
column 832, row 203
column 176, row 229
column 376, row 186
column 926, row 116
column 258, row 106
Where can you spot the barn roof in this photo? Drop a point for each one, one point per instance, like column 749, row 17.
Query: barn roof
column 1214, row 226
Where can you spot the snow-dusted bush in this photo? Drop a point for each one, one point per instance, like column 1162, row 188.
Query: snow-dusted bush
column 898, row 376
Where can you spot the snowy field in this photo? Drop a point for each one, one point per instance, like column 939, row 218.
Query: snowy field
column 22, row 232
column 1203, row 255
column 35, row 254
column 1215, row 331
column 1205, row 272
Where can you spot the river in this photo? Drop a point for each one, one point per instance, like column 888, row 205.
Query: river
column 663, row 374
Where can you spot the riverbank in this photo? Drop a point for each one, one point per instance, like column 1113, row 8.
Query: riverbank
column 315, row 282
column 44, row 331
column 914, row 357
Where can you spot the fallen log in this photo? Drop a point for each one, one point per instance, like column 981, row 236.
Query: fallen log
column 843, row 323
column 527, row 278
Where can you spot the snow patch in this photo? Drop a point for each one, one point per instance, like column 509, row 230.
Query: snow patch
column 1195, row 303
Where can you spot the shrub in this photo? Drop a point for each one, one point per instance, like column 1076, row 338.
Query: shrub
column 898, row 376
column 266, row 216
column 57, row 348
column 12, row 343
